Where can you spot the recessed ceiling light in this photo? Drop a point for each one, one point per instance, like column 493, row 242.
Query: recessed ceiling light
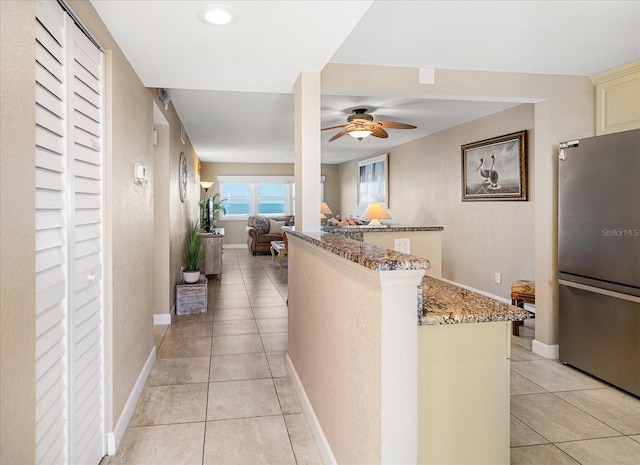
column 217, row 15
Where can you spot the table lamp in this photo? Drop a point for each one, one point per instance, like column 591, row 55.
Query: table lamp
column 324, row 210
column 375, row 212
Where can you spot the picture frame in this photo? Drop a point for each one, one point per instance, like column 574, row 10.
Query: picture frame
column 495, row 169
column 373, row 181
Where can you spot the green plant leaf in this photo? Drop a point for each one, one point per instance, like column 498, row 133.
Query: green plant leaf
column 192, row 252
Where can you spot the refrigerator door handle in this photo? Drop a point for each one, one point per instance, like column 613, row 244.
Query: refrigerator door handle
column 598, row 290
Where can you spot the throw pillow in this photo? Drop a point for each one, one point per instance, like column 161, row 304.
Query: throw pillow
column 274, row 227
column 261, row 224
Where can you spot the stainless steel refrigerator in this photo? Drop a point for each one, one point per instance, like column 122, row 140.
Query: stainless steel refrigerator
column 599, row 257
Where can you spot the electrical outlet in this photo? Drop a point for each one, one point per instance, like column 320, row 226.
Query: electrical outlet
column 402, row 245
column 498, row 278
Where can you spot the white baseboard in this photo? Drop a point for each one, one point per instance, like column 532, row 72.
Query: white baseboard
column 551, row 352
column 235, row 246
column 310, row 416
column 528, row 307
column 162, row 319
column 114, row 438
column 478, row 291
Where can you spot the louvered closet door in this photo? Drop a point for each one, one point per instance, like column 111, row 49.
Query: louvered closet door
column 69, row 261
column 51, row 236
column 85, row 240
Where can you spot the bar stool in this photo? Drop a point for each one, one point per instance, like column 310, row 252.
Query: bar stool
column 522, row 292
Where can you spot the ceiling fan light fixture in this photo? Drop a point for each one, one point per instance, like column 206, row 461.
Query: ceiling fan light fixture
column 361, row 124
column 217, row 16
column 359, row 133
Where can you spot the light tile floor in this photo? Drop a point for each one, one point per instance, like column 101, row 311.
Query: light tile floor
column 219, row 392
column 560, row 415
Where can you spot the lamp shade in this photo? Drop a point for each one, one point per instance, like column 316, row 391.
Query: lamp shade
column 375, row 212
column 206, row 184
column 324, row 209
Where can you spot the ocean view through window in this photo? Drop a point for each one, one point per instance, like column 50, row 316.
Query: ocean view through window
column 244, row 196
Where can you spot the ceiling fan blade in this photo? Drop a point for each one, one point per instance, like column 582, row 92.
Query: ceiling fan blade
column 394, row 125
column 379, row 132
column 340, row 134
column 334, row 127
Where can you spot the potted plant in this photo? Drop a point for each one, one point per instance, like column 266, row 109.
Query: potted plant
column 192, row 255
column 216, row 206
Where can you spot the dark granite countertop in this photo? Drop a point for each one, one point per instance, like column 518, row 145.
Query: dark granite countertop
column 357, row 232
column 368, row 255
column 444, row 303
column 438, row 302
column 385, row 228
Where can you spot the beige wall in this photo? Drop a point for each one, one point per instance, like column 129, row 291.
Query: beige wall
column 17, row 232
column 173, row 217
column 479, row 238
column 563, row 110
column 162, row 289
column 345, row 391
column 235, row 230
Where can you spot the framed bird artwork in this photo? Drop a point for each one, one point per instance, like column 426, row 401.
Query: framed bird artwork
column 495, row 169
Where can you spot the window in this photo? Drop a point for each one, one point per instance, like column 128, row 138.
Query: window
column 243, row 196
column 236, row 200
column 256, row 195
column 272, row 199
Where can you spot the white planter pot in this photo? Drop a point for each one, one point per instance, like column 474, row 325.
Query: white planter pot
column 191, row 276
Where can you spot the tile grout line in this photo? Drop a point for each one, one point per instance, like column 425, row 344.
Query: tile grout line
column 206, row 406
column 271, row 372
column 588, row 414
column 572, row 405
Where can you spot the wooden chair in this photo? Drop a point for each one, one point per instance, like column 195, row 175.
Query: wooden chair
column 522, row 292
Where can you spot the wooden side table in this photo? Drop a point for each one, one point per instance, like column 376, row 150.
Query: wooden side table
column 191, row 298
column 278, row 247
column 212, row 252
column 522, row 292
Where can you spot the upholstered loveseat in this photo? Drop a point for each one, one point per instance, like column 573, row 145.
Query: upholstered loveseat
column 261, row 230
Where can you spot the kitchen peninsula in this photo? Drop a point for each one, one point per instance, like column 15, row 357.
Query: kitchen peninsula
column 422, row 241
column 390, row 365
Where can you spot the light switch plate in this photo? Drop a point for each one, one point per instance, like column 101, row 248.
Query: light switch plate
column 140, row 174
column 402, row 245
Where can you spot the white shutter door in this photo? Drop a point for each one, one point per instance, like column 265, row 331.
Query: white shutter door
column 69, row 295
column 51, row 233
column 86, row 297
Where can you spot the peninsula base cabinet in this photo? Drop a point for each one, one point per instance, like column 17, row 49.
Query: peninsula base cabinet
column 212, row 253
column 463, row 393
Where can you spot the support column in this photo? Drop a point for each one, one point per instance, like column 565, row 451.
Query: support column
column 307, row 149
column 398, row 366
column 546, row 237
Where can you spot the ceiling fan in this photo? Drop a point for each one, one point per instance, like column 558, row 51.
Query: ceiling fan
column 361, row 124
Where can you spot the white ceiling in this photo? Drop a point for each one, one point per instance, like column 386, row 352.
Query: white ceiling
column 232, row 86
